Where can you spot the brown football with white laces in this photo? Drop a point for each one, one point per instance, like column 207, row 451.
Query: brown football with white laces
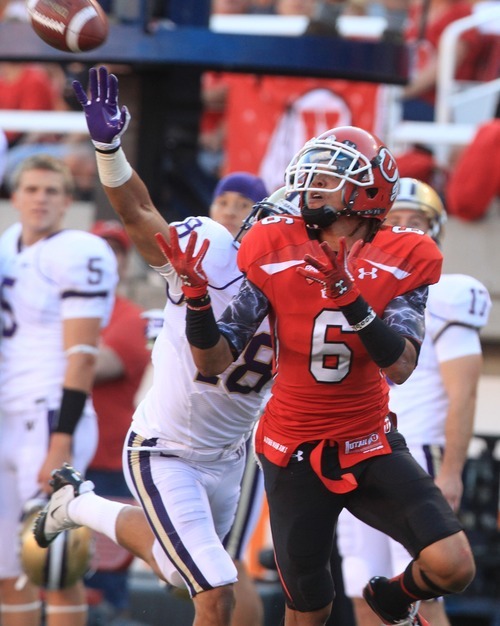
column 69, row 25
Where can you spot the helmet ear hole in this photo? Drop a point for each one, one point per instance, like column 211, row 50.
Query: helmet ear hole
column 371, row 192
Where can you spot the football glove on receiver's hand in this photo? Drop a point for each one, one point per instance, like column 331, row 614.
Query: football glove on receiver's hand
column 332, row 271
column 105, row 120
column 187, row 264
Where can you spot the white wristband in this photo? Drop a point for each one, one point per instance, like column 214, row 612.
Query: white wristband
column 364, row 323
column 82, row 348
column 113, row 168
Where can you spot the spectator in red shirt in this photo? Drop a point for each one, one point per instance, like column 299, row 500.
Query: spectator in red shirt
column 474, row 182
column 25, row 87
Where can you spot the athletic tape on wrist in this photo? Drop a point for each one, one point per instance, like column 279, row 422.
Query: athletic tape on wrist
column 382, row 343
column 113, row 168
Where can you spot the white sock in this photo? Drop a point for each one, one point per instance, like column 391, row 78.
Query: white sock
column 99, row 514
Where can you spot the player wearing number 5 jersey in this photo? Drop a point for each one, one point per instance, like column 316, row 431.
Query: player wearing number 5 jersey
column 57, row 291
column 345, row 297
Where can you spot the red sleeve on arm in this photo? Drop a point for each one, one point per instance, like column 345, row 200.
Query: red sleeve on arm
column 475, row 182
column 126, row 336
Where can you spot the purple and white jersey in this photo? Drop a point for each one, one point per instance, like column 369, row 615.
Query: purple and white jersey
column 457, row 308
column 188, row 413
column 71, row 274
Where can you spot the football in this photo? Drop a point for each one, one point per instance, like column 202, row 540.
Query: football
column 69, row 25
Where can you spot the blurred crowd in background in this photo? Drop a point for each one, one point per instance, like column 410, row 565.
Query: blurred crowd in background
column 274, row 114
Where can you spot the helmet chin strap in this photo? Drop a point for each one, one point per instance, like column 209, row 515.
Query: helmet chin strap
column 319, row 218
column 326, row 215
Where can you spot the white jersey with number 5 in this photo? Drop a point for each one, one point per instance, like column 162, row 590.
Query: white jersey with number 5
column 184, row 410
column 457, row 308
column 71, row 274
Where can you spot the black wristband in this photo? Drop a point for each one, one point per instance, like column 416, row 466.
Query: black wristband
column 199, row 304
column 115, row 149
column 201, row 328
column 72, row 405
column 382, row 343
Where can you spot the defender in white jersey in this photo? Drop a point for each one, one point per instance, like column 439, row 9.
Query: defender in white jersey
column 434, row 407
column 57, row 290
column 185, row 452
column 232, row 202
column 230, row 403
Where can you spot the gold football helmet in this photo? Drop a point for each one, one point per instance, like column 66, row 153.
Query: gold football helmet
column 60, row 565
column 418, row 196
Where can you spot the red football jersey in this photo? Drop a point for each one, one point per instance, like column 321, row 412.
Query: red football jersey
column 326, row 384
